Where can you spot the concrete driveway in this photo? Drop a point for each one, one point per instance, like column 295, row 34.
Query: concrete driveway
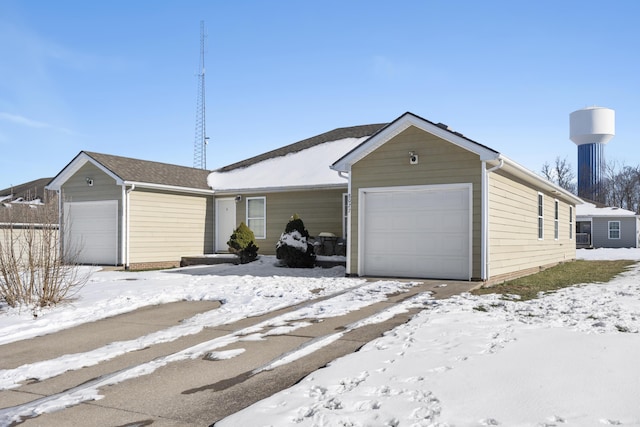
column 193, row 392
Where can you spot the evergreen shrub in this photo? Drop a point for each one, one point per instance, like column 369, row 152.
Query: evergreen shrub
column 293, row 247
column 242, row 243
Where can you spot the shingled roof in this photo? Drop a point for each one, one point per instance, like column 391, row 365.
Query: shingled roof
column 145, row 171
column 332, row 135
column 28, row 191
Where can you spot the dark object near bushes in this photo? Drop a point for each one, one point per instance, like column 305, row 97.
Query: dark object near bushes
column 293, row 247
column 242, row 244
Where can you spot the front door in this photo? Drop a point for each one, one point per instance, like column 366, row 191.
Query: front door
column 225, row 222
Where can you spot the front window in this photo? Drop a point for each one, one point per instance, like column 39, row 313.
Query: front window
column 257, row 216
column 614, row 229
column 540, row 216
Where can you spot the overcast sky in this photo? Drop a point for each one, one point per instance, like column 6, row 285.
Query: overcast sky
column 119, row 77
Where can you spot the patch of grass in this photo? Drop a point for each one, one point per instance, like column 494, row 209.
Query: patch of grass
column 558, row 277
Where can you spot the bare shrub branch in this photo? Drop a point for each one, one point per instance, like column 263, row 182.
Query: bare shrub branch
column 34, row 271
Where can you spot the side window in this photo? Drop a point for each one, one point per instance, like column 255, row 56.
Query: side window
column 614, row 229
column 570, row 222
column 257, row 216
column 345, row 214
column 556, row 220
column 540, row 216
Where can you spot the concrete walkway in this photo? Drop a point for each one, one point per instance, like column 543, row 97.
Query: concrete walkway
column 193, row 392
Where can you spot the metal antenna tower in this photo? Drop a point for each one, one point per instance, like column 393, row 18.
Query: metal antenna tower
column 200, row 143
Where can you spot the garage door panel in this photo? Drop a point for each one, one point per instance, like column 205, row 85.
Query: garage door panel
column 435, row 265
column 417, row 232
column 91, row 231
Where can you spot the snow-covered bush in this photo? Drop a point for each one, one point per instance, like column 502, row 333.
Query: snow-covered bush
column 294, row 248
column 242, row 243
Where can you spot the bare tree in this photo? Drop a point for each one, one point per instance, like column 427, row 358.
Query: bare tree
column 33, row 269
column 621, row 186
column 561, row 173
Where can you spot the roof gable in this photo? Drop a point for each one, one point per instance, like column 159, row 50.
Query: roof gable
column 126, row 170
column 400, row 124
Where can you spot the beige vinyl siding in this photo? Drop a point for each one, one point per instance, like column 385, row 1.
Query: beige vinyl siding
column 321, row 210
column 440, row 162
column 104, row 187
column 167, row 226
column 513, row 227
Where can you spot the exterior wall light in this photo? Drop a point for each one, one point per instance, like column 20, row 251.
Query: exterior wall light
column 413, row 158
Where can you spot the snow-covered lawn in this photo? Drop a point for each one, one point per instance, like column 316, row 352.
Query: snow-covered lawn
column 569, row 358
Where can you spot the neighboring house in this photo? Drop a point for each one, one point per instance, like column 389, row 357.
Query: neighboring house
column 136, row 213
column 600, row 226
column 29, row 192
column 28, row 203
column 412, row 198
column 28, row 213
column 32, row 193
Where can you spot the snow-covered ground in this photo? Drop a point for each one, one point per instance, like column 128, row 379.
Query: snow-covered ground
column 246, row 290
column 568, row 358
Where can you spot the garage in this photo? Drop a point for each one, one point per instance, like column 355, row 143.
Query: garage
column 416, row 231
column 92, row 231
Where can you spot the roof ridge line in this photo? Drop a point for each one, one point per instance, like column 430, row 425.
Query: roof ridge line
column 336, row 134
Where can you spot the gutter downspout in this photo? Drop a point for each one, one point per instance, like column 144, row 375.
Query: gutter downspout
column 347, row 250
column 61, row 231
column 485, row 218
column 125, row 237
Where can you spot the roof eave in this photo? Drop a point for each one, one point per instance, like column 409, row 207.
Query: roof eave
column 631, row 215
column 535, row 179
column 280, row 189
column 166, row 187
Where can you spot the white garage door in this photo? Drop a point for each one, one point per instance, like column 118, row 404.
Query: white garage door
column 416, row 232
column 91, row 231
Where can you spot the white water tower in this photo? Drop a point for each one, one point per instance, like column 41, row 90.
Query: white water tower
column 591, row 129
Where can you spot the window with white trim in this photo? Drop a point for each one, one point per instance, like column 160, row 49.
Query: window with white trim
column 556, row 219
column 345, row 214
column 540, row 216
column 614, row 229
column 257, row 216
column 570, row 222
